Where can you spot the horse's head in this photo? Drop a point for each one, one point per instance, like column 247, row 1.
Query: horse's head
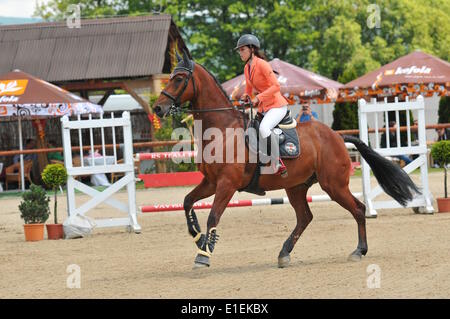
column 177, row 90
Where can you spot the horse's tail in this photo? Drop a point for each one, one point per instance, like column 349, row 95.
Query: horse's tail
column 394, row 180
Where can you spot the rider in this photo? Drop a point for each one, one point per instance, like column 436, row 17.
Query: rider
column 259, row 76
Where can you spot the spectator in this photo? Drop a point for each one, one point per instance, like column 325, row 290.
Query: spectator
column 306, row 114
column 415, row 134
column 54, row 155
column 393, row 142
column 29, row 145
column 443, row 134
column 392, row 137
column 415, row 139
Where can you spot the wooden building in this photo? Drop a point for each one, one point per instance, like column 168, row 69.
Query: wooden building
column 132, row 55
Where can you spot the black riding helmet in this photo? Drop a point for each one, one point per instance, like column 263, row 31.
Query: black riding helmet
column 247, row 39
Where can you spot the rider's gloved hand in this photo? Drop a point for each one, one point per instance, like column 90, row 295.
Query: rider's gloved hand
column 245, row 98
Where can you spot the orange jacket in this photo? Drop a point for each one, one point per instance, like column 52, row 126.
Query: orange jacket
column 263, row 80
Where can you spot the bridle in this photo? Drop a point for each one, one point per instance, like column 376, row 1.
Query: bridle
column 176, row 101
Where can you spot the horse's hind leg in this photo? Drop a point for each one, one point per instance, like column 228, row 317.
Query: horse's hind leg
column 203, row 190
column 344, row 197
column 298, row 200
column 360, row 217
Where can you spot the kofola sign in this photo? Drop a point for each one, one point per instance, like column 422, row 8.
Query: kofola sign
column 9, row 90
column 413, row 70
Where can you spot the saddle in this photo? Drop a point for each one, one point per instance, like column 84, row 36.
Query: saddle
column 288, row 142
column 285, row 132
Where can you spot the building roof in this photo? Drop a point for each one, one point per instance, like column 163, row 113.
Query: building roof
column 100, row 49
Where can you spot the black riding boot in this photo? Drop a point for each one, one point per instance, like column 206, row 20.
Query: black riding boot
column 265, row 148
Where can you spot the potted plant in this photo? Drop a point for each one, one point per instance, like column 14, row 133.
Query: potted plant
column 440, row 152
column 54, row 175
column 34, row 210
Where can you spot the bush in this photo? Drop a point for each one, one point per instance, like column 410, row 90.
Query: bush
column 440, row 152
column 54, row 175
column 34, row 208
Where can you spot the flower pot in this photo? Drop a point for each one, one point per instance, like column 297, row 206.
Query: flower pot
column 34, row 232
column 55, row 231
column 443, row 205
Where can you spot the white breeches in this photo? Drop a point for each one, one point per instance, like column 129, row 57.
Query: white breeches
column 271, row 119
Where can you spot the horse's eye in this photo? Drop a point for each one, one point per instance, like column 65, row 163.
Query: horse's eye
column 178, row 79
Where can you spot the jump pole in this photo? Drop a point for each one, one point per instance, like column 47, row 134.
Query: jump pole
column 205, row 205
column 234, row 203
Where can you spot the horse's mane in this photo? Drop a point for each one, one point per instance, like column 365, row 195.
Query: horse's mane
column 217, row 83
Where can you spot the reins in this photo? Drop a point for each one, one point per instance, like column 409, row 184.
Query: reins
column 231, row 108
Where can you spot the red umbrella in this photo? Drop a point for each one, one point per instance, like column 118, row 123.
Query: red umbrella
column 296, row 84
column 413, row 74
column 24, row 95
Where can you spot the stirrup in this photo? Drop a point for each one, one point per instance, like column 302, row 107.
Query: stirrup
column 281, row 169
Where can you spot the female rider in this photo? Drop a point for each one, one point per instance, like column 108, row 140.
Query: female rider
column 259, row 76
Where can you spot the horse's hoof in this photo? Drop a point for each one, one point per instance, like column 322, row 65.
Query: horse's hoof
column 201, row 261
column 354, row 257
column 200, row 266
column 284, row 261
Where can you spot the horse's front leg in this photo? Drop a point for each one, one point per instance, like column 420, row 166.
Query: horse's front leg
column 224, row 192
column 202, row 190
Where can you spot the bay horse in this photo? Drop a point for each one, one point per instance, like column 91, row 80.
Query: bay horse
column 324, row 159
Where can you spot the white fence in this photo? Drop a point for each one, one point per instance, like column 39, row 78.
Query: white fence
column 100, row 166
column 419, row 148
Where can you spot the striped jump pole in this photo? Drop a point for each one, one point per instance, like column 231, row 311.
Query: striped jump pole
column 234, row 203
column 165, row 155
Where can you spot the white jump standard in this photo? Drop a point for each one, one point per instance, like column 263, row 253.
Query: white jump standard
column 127, row 168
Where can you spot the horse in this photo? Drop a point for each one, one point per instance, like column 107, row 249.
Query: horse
column 324, row 159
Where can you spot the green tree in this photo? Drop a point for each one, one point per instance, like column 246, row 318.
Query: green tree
column 341, row 42
column 54, row 176
column 358, row 65
column 345, row 116
column 444, row 110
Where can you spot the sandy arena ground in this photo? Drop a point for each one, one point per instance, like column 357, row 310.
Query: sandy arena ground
column 411, row 250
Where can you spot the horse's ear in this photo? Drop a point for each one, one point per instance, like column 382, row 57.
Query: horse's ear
column 186, row 58
column 179, row 58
